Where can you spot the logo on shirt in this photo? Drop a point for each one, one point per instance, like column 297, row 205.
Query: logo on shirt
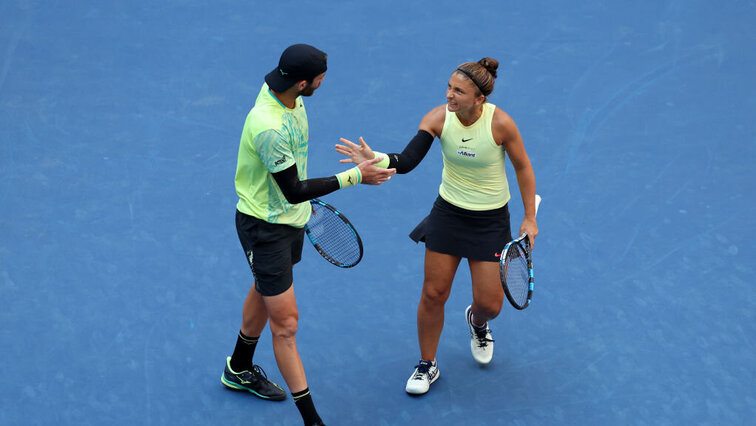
column 466, row 153
column 281, row 161
column 466, row 140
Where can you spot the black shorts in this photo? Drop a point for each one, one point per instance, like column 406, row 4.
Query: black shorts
column 271, row 251
column 477, row 235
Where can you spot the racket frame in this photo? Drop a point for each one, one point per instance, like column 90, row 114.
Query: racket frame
column 524, row 243
column 317, row 246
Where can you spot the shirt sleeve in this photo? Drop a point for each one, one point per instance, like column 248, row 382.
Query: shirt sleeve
column 274, row 150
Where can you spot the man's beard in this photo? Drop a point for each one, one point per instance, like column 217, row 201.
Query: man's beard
column 307, row 91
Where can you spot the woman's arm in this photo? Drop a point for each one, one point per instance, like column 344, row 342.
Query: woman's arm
column 430, row 127
column 508, row 136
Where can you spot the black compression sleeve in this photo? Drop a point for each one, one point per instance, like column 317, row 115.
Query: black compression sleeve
column 413, row 153
column 299, row 191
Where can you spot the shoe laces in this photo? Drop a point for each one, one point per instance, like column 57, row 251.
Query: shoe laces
column 482, row 336
column 421, row 370
column 258, row 371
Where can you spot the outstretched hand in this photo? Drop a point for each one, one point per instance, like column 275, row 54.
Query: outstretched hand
column 372, row 175
column 356, row 153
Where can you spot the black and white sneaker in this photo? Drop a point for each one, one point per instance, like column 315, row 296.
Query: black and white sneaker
column 426, row 372
column 481, row 342
column 254, row 381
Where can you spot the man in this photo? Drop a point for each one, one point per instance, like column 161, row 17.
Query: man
column 271, row 181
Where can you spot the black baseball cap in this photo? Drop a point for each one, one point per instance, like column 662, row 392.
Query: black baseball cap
column 298, row 62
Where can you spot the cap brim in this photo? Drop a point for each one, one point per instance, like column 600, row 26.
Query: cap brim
column 277, row 82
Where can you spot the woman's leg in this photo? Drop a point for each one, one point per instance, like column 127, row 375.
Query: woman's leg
column 439, row 275
column 488, row 295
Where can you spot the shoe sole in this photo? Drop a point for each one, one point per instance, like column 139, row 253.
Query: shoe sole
column 238, row 387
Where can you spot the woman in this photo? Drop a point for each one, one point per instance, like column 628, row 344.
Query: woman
column 470, row 217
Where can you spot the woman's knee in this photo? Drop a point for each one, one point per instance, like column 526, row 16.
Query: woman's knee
column 435, row 294
column 489, row 308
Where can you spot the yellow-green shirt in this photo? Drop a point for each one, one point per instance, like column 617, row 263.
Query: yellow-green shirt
column 474, row 177
column 273, row 139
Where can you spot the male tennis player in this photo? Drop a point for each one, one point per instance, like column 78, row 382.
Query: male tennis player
column 271, row 181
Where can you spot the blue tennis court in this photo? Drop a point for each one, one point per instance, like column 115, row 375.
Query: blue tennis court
column 121, row 275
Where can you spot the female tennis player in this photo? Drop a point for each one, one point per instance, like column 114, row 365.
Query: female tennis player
column 470, row 217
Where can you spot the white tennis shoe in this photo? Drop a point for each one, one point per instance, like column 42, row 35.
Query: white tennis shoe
column 426, row 372
column 481, row 343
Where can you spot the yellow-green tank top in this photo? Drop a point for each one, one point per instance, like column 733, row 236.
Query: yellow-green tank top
column 474, row 177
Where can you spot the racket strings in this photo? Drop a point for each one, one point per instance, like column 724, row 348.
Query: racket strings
column 517, row 274
column 333, row 236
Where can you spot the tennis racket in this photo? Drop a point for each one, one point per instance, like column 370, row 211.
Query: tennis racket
column 516, row 269
column 333, row 236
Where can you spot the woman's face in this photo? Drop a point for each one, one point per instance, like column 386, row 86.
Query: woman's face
column 461, row 95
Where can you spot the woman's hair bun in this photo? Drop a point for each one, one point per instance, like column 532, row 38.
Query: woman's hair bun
column 490, row 64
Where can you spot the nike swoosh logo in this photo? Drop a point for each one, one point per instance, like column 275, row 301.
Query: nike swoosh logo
column 497, row 254
column 465, row 140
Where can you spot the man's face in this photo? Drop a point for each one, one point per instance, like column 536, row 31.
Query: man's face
column 310, row 88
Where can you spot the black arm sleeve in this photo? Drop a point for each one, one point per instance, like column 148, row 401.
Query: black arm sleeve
column 413, row 153
column 299, row 191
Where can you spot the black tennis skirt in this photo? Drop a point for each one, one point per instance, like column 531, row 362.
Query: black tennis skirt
column 477, row 235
